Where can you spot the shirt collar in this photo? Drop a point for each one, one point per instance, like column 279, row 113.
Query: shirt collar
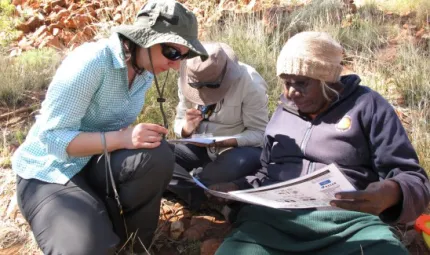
column 115, row 46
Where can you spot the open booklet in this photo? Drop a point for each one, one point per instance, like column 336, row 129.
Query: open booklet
column 313, row 190
column 201, row 140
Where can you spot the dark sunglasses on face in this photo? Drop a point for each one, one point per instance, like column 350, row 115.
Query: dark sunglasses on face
column 199, row 85
column 211, row 85
column 172, row 53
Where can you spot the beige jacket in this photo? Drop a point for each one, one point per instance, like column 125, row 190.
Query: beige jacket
column 242, row 113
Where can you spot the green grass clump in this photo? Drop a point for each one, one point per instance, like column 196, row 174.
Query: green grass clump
column 397, row 6
column 409, row 75
column 31, row 71
column 7, row 23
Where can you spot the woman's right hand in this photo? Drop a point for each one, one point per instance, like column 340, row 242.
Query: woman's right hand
column 193, row 117
column 143, row 135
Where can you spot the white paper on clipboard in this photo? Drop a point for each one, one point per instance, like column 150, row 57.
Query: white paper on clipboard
column 201, row 140
column 310, row 191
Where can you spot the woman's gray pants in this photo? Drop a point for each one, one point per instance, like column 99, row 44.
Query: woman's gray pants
column 75, row 218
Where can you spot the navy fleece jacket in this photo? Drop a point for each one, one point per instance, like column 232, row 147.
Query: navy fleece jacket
column 361, row 133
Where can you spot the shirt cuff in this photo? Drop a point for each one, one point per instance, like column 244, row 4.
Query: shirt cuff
column 178, row 127
column 57, row 141
column 244, row 139
column 395, row 213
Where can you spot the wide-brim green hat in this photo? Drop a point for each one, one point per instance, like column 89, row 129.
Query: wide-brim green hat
column 165, row 21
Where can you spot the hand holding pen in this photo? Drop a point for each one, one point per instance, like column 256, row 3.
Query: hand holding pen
column 193, row 117
column 143, row 135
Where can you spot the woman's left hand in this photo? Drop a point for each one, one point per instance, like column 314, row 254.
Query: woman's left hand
column 375, row 199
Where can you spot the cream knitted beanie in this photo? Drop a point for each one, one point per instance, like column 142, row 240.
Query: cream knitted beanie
column 312, row 54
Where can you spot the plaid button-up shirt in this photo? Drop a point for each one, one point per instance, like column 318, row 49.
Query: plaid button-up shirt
column 89, row 93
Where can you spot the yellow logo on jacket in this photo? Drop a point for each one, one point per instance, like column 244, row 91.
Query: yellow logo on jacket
column 344, row 124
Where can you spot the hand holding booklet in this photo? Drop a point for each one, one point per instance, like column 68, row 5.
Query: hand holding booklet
column 313, row 190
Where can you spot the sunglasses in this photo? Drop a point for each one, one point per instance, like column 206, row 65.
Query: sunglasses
column 199, row 85
column 172, row 53
column 211, row 85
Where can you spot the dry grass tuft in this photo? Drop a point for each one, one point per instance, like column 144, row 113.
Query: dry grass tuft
column 10, row 235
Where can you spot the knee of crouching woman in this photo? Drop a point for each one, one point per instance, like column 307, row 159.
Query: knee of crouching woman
column 164, row 158
column 157, row 162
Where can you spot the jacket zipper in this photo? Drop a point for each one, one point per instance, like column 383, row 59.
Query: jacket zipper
column 311, row 168
column 306, row 138
column 304, row 143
